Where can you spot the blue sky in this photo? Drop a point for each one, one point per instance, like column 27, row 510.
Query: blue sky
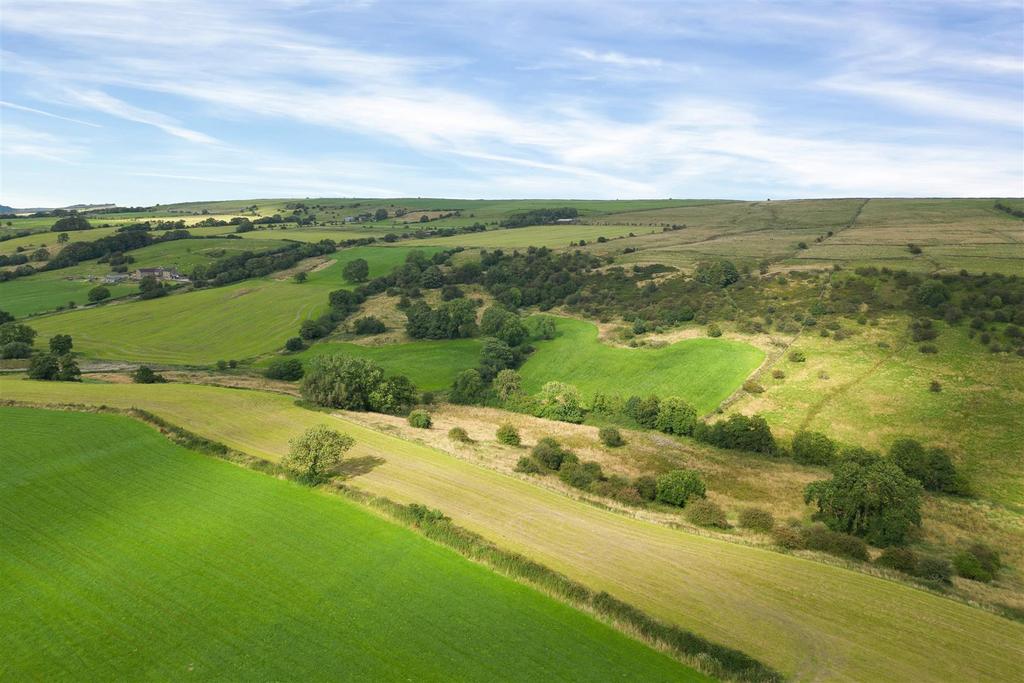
column 155, row 102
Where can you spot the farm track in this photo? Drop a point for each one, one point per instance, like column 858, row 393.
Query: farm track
column 805, row 618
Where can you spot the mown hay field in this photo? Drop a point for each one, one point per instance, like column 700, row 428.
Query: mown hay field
column 809, row 620
column 127, row 557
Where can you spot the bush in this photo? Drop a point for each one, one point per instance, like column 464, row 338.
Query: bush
column 145, row 375
column 752, row 387
column 508, row 435
column 778, row 374
column 679, row 486
column 932, row 466
column 527, row 465
column 934, row 569
column 646, row 487
column 901, row 559
column 706, row 513
column 757, row 519
column 610, row 436
column 289, row 369
column 821, row 538
column 54, row 368
column 978, row 563
column 15, row 349
column 369, row 325
column 459, row 434
column 935, row 387
column 468, row 388
column 97, row 294
column 797, row 356
column 928, row 348
column 813, row 448
column 294, row 344
column 714, row 330
column 676, row 416
column 788, row 537
column 549, row 453
column 420, row 419
column 580, row 475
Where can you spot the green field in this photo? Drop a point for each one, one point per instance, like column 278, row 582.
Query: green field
column 46, row 291
column 552, row 236
column 805, row 618
column 238, row 321
column 127, row 557
column 431, row 365
column 703, row 371
column 382, row 260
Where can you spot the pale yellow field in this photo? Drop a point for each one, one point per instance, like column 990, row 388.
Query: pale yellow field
column 810, row 620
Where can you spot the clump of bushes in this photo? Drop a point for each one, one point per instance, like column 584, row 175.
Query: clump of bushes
column 752, row 387
column 931, row 569
column 289, row 369
column 508, row 435
column 549, row 453
column 610, row 436
column 978, row 563
column 294, row 344
column 757, row 519
column 797, row 356
column 813, row 448
column 706, row 513
column 527, row 465
column 820, row 537
column 145, row 375
column 931, row 466
column 368, row 325
column 788, row 537
column 679, row 486
column 580, row 475
column 459, row 434
column 778, row 374
column 714, row 330
column 420, row 419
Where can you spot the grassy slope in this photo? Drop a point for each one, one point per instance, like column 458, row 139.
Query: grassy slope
column 553, row 236
column 808, row 619
column 237, row 321
column 431, row 365
column 703, row 371
column 46, row 291
column 125, row 556
column 382, row 260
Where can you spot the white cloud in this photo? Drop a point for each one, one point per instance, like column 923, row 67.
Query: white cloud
column 102, row 102
column 616, row 59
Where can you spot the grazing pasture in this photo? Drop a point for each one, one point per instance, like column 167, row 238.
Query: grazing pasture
column 431, row 365
column 382, row 260
column 811, row 618
column 703, row 371
column 552, row 236
column 46, row 291
column 237, row 321
column 127, row 557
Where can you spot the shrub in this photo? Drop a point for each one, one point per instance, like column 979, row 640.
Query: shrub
column 752, row 387
column 508, row 435
column 468, row 388
column 928, row 348
column 560, row 401
column 610, row 436
column 646, row 487
column 778, row 374
column 15, row 349
column 757, row 519
column 369, row 325
column 97, row 294
column 507, row 384
column 714, row 330
column 676, row 416
column 54, row 368
column 527, row 465
column 788, row 537
column 932, row 467
column 356, row 270
column 549, row 453
column 813, row 448
column 420, row 419
column 821, row 538
column 934, row 569
column 901, row 559
column 294, row 344
column 978, row 563
column 797, row 356
column 679, row 486
column 935, row 387
column 580, row 475
column 459, row 434
column 706, row 513
column 145, row 375
column 289, row 369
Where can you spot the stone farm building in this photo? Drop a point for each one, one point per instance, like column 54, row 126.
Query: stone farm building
column 162, row 274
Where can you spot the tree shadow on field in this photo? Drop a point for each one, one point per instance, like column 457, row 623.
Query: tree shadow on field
column 354, row 467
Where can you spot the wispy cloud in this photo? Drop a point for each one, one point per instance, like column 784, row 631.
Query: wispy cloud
column 102, row 102
column 40, row 112
column 616, row 59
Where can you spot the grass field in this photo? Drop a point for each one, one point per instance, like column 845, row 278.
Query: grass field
column 552, row 236
column 46, row 291
column 127, row 557
column 234, row 322
column 382, row 260
column 703, row 371
column 431, row 365
column 805, row 618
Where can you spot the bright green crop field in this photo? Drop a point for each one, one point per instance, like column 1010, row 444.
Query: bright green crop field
column 703, row 371
column 233, row 322
column 430, row 365
column 127, row 557
column 382, row 260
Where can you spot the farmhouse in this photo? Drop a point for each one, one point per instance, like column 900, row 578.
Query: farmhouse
column 160, row 273
column 565, row 221
column 114, row 278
